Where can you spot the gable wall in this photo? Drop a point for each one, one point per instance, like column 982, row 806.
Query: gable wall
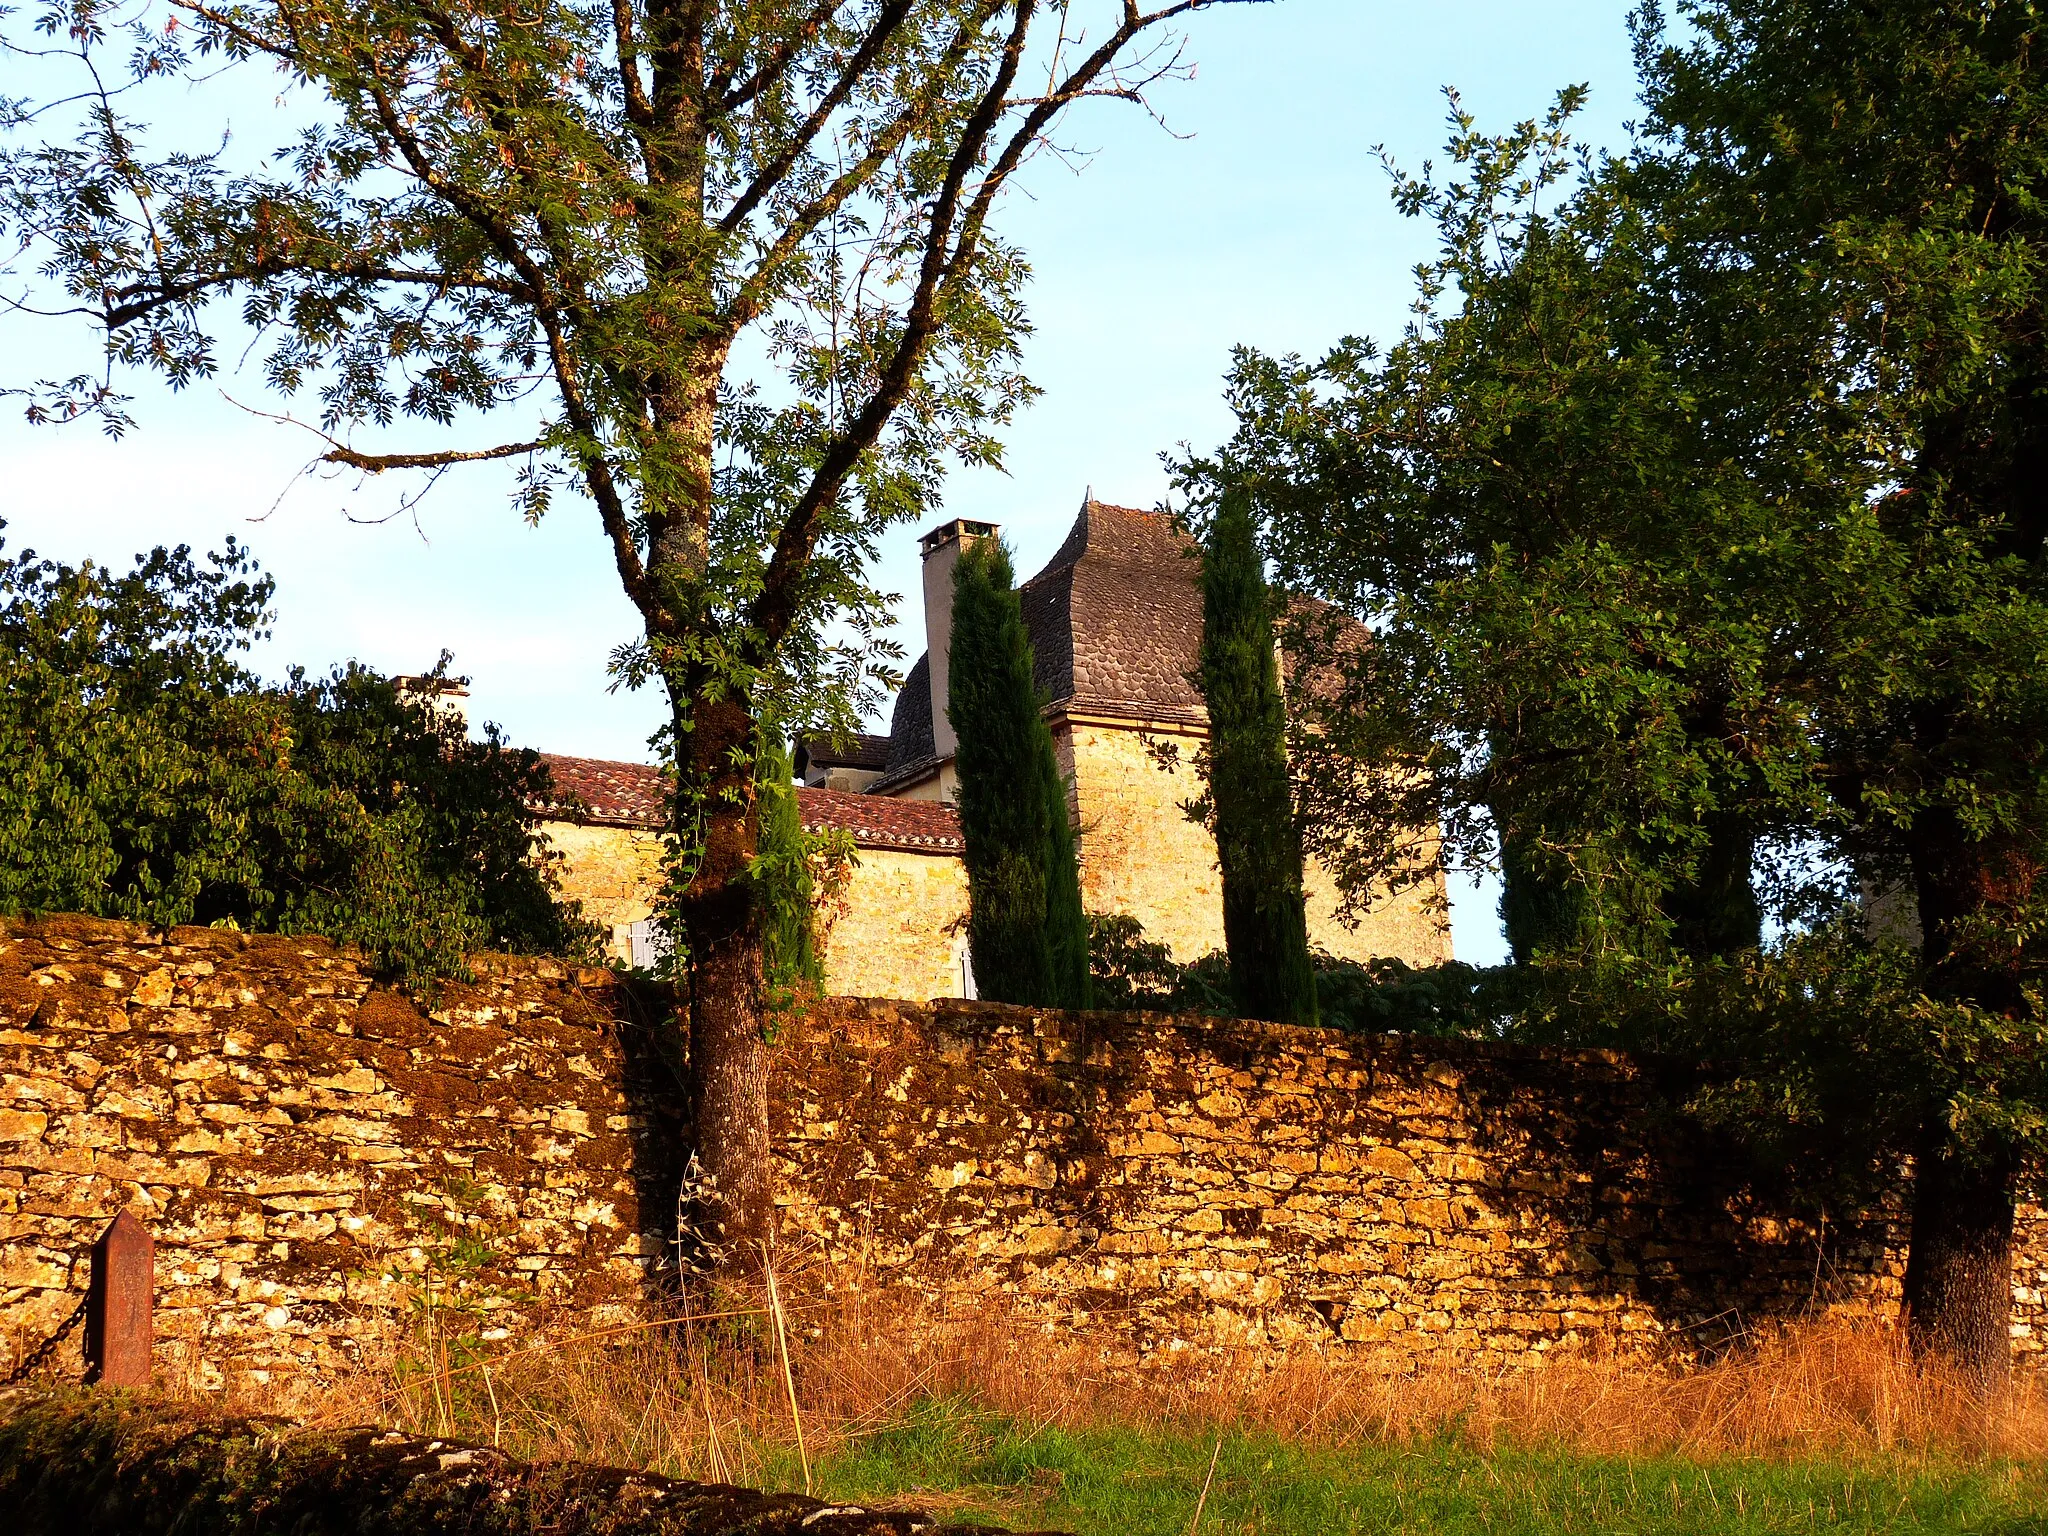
column 897, row 926
column 1141, row 856
column 612, row 871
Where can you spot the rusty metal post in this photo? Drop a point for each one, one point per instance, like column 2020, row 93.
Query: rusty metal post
column 118, row 1330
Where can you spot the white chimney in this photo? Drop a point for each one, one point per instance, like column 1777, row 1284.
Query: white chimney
column 942, row 547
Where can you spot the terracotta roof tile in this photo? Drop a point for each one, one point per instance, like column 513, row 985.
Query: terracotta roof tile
column 597, row 792
column 880, row 821
column 636, row 795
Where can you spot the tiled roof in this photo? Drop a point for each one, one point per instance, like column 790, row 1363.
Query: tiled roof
column 596, row 792
column 859, row 752
column 1116, row 617
column 881, row 821
column 636, row 795
column 1116, row 626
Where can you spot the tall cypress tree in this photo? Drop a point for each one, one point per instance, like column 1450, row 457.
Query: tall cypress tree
column 1025, row 925
column 1258, row 844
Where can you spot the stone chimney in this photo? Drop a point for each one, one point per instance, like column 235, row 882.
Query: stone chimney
column 942, row 547
column 446, row 696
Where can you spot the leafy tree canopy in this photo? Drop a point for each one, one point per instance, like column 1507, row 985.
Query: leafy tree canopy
column 152, row 777
column 1700, row 519
column 727, row 268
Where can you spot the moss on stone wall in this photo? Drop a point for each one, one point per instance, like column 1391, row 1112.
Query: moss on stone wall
column 319, row 1160
column 111, row 1462
column 1219, row 1182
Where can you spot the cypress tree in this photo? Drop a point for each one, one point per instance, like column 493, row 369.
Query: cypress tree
column 1258, row 844
column 1026, row 927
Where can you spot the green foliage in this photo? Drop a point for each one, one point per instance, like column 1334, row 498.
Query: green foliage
column 790, row 865
column 1377, row 997
column 1388, row 996
column 571, row 217
column 466, row 810
column 1026, row 925
column 1557, row 567
column 1068, row 941
column 153, row 778
column 1854, row 196
column 1126, row 969
column 1247, row 802
column 1698, row 523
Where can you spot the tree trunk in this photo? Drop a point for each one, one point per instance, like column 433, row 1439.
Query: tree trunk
column 1717, row 913
column 728, row 1033
column 1959, row 1269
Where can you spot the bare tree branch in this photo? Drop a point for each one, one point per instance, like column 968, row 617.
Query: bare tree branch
column 774, row 610
column 806, row 219
column 377, row 463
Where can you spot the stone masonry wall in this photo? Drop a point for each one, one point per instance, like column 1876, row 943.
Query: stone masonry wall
column 1140, row 854
column 322, row 1161
column 897, row 926
column 319, row 1160
column 613, row 871
column 1210, row 1181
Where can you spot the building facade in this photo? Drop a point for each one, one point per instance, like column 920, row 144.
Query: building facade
column 1115, row 620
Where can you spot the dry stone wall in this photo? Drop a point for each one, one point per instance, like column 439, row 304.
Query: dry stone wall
column 322, row 1162
column 1196, row 1181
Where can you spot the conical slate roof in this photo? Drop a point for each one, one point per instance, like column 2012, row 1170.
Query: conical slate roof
column 1116, row 624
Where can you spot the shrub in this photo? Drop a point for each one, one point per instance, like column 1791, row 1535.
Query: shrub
column 153, row 777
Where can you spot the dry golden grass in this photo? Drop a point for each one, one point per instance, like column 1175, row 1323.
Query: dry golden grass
column 709, row 1398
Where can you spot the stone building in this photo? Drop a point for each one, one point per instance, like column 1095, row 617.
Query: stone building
column 1115, row 620
column 895, row 927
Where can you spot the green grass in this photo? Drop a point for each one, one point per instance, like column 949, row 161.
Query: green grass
column 1127, row 1483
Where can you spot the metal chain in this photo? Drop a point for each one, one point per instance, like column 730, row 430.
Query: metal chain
column 38, row 1357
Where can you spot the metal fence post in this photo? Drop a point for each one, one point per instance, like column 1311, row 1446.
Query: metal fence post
column 118, row 1329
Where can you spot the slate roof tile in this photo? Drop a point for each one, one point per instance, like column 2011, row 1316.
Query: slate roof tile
column 1115, row 620
column 1116, row 617
column 860, row 751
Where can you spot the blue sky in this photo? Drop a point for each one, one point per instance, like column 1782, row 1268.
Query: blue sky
column 1261, row 218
